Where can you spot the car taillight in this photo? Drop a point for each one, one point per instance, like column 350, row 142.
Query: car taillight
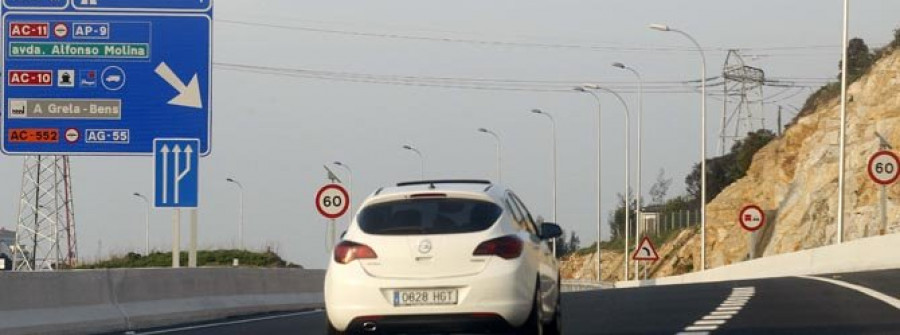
column 507, row 247
column 348, row 251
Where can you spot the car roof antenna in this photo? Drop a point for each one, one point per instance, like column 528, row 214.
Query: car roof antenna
column 432, row 187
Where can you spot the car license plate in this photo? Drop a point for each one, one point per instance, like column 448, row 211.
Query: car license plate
column 425, row 297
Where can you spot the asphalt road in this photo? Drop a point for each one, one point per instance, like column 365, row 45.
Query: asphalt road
column 790, row 305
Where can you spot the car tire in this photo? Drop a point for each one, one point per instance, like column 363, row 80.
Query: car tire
column 555, row 326
column 533, row 326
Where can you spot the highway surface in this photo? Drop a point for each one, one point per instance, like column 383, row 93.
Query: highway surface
column 859, row 303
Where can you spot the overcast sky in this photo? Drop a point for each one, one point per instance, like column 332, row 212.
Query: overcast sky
column 274, row 132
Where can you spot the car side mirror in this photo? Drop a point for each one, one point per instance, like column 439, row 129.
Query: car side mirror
column 550, row 231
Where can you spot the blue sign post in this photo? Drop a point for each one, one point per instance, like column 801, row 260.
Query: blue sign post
column 177, row 173
column 105, row 77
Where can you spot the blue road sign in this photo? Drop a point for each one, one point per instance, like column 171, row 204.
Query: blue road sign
column 177, row 172
column 77, row 74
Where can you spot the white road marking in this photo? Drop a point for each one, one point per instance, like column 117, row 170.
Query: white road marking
column 710, row 322
column 717, row 317
column 864, row 290
column 696, row 328
column 694, row 333
column 220, row 324
column 729, row 308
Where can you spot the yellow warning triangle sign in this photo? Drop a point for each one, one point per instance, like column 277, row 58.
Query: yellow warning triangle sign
column 645, row 251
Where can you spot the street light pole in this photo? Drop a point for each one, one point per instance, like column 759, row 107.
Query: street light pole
column 555, row 194
column 499, row 152
column 349, row 184
column 640, row 156
column 661, row 27
column 599, row 196
column 421, row 158
column 147, row 222
column 843, row 132
column 240, row 211
column 627, row 169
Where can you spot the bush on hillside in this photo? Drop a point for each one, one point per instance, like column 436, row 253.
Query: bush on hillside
column 213, row 258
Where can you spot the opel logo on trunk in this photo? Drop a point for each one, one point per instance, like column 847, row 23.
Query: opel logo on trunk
column 425, row 246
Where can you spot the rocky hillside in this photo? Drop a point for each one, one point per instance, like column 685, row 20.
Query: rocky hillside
column 795, row 179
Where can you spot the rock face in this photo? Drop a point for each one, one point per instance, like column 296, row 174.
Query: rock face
column 794, row 179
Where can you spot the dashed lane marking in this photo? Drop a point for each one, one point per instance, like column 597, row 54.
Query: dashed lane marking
column 728, row 309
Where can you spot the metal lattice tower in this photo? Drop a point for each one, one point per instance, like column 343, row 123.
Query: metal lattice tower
column 744, row 101
column 45, row 230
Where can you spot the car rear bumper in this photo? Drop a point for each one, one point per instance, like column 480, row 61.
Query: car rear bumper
column 506, row 289
column 445, row 323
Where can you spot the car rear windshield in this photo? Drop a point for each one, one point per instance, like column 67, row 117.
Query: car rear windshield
column 428, row 216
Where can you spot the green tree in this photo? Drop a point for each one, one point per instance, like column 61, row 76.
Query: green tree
column 724, row 170
column 616, row 219
column 574, row 242
column 859, row 59
column 660, row 188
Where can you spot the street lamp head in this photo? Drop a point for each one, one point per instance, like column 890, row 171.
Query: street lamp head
column 591, row 86
column 660, row 27
column 619, row 65
column 483, row 130
column 137, row 194
column 580, row 89
column 338, row 163
column 537, row 111
column 407, row 147
column 230, row 180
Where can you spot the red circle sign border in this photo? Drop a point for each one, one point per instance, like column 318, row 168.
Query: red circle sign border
column 872, row 161
column 339, row 188
column 741, row 218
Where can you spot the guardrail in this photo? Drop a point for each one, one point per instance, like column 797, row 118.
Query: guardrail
column 868, row 254
column 96, row 301
column 584, row 285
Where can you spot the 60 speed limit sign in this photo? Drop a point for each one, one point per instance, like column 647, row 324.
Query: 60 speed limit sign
column 332, row 201
column 884, row 167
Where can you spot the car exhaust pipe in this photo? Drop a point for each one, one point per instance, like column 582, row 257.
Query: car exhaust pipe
column 369, row 326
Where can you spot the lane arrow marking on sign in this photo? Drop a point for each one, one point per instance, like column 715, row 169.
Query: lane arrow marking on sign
column 165, row 169
column 188, row 95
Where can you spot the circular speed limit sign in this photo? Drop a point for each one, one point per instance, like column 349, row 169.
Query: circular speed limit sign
column 884, row 167
column 752, row 218
column 332, row 201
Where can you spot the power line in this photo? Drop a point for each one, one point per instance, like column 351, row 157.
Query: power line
column 501, row 43
column 498, row 84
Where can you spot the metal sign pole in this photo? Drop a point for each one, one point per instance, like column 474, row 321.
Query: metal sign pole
column 331, row 238
column 192, row 254
column 751, row 245
column 883, row 209
column 176, row 239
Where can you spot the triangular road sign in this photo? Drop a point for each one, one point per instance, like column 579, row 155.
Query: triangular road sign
column 645, row 251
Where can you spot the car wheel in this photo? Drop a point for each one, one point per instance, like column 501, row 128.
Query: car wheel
column 534, row 326
column 555, row 326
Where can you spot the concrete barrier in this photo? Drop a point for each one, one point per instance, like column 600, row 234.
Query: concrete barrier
column 96, row 301
column 571, row 285
column 873, row 253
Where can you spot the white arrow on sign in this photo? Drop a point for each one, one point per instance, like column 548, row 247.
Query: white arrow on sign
column 188, row 95
column 165, row 169
column 179, row 175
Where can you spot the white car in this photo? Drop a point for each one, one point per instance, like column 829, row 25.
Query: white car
column 445, row 257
